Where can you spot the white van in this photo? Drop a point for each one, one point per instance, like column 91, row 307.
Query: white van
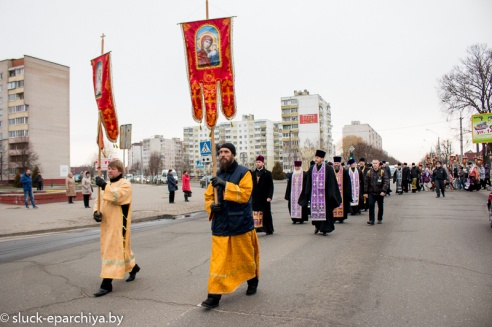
column 164, row 175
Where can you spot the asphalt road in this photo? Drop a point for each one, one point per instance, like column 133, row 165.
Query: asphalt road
column 428, row 264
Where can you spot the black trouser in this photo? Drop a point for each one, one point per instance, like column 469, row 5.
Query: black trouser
column 70, row 199
column 171, row 196
column 86, row 200
column 186, row 196
column 439, row 187
column 107, row 284
column 372, row 199
column 404, row 185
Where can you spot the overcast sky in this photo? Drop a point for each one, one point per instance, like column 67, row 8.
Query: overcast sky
column 377, row 62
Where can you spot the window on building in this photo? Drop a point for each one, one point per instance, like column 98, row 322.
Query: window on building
column 1, row 112
column 18, row 121
column 20, row 133
column 0, row 88
column 1, row 100
column 1, row 76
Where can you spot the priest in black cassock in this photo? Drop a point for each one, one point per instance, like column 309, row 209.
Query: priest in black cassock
column 321, row 193
column 345, row 187
column 293, row 192
column 262, row 194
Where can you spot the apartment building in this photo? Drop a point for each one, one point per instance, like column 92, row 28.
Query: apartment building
column 250, row 137
column 170, row 151
column 34, row 117
column 306, row 120
column 364, row 131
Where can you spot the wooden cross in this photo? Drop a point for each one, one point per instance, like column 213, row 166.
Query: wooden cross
column 102, row 43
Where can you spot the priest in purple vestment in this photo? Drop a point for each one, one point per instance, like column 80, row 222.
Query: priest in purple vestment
column 321, row 193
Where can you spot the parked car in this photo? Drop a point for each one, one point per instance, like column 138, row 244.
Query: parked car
column 164, row 176
column 205, row 180
column 77, row 178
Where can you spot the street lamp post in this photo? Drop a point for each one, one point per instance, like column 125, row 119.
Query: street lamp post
column 438, row 150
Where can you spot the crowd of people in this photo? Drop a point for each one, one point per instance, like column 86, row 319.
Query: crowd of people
column 475, row 176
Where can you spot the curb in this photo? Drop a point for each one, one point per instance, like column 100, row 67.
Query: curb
column 62, row 229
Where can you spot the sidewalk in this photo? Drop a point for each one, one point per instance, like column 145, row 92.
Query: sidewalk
column 149, row 202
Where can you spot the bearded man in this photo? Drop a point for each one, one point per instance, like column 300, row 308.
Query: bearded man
column 293, row 192
column 235, row 251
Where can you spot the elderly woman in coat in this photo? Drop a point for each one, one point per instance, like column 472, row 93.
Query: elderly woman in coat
column 70, row 187
column 86, row 188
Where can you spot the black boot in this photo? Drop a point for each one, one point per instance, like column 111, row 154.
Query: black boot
column 105, row 288
column 212, row 301
column 252, row 286
column 133, row 273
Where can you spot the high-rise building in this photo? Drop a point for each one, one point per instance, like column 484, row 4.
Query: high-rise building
column 306, row 120
column 169, row 150
column 34, row 118
column 250, row 137
column 365, row 132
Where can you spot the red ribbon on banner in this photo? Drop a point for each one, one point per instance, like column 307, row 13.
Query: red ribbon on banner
column 101, row 72
column 208, row 46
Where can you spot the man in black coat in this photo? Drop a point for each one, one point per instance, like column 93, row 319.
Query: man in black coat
column 345, row 187
column 405, row 177
column 439, row 175
column 262, row 194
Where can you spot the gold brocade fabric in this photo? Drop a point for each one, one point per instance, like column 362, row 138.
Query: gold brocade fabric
column 116, row 254
column 235, row 259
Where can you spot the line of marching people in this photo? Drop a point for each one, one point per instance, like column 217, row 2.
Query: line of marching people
column 473, row 177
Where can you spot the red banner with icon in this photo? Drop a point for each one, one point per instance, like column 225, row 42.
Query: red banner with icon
column 101, row 74
column 209, row 64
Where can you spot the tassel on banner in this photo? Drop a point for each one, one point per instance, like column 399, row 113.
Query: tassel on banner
column 232, row 124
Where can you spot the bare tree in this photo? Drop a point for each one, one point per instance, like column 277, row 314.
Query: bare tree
column 347, row 142
column 307, row 154
column 25, row 157
column 155, row 163
column 446, row 151
column 136, row 167
column 468, row 87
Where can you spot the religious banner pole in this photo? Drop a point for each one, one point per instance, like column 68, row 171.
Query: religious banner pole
column 212, row 137
column 99, row 135
column 107, row 118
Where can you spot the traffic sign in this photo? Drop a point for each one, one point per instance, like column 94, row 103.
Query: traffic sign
column 207, row 159
column 200, row 164
column 205, row 148
column 104, row 163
